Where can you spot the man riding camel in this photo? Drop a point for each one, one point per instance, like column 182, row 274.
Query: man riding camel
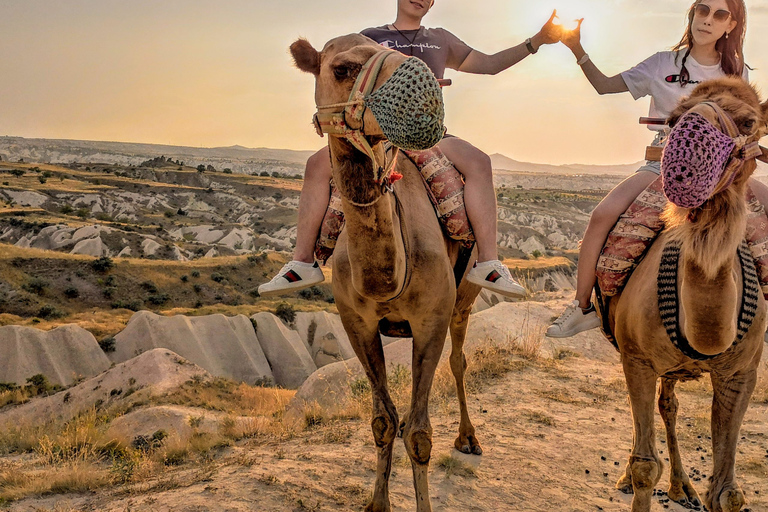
column 439, row 49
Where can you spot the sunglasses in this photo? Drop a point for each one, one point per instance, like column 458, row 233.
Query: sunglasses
column 720, row 15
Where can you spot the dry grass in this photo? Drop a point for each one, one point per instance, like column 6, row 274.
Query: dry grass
column 76, row 477
column 455, row 467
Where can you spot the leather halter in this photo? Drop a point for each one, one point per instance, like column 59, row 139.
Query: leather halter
column 743, row 151
column 338, row 123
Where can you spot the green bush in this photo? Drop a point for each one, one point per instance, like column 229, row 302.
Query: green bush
column 195, row 273
column 217, row 277
column 36, row 285
column 49, row 312
column 71, row 293
column 285, row 312
column 102, row 264
column 107, row 344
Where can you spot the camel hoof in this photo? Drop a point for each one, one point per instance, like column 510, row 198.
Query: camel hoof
column 685, row 496
column 732, row 500
column 468, row 445
column 625, row 485
column 378, row 507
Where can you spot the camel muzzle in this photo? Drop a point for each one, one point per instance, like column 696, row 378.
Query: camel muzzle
column 408, row 108
column 699, row 160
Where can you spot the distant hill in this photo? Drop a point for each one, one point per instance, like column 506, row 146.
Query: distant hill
column 238, row 158
column 499, row 161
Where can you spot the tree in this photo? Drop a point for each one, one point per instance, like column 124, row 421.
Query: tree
column 201, row 168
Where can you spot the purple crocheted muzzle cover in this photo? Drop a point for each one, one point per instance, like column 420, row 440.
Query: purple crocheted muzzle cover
column 694, row 160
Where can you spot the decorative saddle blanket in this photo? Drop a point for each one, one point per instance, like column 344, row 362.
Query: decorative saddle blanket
column 639, row 226
column 445, row 187
column 669, row 303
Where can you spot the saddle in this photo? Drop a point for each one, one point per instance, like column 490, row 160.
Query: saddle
column 444, row 186
column 639, row 226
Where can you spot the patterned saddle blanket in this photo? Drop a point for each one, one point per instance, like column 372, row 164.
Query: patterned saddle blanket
column 639, row 226
column 444, row 185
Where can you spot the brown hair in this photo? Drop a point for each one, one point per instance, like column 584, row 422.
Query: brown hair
column 730, row 46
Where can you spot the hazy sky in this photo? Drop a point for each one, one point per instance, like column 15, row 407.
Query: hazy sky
column 218, row 73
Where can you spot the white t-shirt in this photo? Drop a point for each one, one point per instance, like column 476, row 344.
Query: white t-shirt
column 659, row 77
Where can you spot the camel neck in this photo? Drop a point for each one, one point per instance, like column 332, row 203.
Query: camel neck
column 374, row 238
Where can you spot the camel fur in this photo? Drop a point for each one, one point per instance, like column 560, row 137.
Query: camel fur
column 393, row 263
column 709, row 290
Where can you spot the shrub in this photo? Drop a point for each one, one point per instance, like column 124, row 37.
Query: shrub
column 71, row 293
column 38, row 384
column 169, row 213
column 217, row 277
column 17, row 172
column 201, row 168
column 66, row 209
column 107, row 344
column 227, row 170
column 149, row 286
column 158, row 299
column 49, row 311
column 198, row 288
column 102, row 264
column 195, row 273
column 83, row 213
column 285, row 312
column 36, row 285
column 42, row 179
column 184, row 278
column 133, row 305
column 262, row 173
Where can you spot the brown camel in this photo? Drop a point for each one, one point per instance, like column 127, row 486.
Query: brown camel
column 392, row 265
column 710, row 286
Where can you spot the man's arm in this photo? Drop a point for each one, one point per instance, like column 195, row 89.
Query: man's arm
column 482, row 64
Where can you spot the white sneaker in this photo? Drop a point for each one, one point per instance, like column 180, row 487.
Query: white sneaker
column 573, row 321
column 495, row 276
column 295, row 275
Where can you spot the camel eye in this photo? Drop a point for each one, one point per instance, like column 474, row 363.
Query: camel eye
column 341, row 72
column 749, row 124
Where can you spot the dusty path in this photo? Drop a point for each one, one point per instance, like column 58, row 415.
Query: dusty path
column 556, row 437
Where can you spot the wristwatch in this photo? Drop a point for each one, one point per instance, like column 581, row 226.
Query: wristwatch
column 530, row 47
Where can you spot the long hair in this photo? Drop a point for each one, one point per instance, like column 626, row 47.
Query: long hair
column 731, row 47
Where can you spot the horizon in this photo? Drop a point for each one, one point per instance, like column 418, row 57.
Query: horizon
column 199, row 74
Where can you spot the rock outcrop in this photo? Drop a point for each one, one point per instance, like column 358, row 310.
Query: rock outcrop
column 288, row 356
column 64, row 355
column 153, row 373
column 224, row 346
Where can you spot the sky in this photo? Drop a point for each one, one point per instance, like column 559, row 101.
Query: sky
column 210, row 73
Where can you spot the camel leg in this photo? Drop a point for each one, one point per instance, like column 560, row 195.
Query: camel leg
column 466, row 442
column 645, row 464
column 729, row 404
column 624, row 484
column 680, row 488
column 428, row 341
column 366, row 341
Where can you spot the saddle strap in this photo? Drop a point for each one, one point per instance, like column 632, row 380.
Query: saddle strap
column 669, row 299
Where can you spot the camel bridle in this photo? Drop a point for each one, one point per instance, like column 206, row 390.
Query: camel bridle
column 742, row 152
column 337, row 124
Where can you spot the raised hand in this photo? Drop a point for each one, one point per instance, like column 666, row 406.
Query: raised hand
column 572, row 38
column 550, row 33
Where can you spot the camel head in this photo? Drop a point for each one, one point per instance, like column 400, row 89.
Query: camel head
column 713, row 142
column 379, row 94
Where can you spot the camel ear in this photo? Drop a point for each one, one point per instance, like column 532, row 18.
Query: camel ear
column 305, row 56
column 764, row 109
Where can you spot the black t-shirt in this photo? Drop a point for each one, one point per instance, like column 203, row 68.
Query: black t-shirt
column 437, row 47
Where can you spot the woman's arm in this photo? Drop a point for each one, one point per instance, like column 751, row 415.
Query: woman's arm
column 602, row 84
column 482, row 64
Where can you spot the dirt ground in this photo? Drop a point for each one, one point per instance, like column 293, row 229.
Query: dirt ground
column 556, row 436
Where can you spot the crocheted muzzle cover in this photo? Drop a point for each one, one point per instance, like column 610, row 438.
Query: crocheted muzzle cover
column 694, row 160
column 409, row 106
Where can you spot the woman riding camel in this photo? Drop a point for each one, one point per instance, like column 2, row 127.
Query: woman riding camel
column 439, row 49
column 711, row 47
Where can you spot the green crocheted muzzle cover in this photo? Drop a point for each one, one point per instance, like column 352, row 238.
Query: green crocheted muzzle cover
column 409, row 106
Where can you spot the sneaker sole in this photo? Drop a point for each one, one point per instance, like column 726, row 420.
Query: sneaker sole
column 572, row 332
column 489, row 286
column 289, row 287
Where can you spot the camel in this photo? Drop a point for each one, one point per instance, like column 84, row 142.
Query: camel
column 709, row 290
column 392, row 265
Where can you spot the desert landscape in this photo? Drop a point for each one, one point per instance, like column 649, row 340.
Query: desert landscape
column 145, row 373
